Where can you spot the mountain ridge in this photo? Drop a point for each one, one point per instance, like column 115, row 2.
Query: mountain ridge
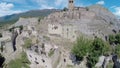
column 32, row 13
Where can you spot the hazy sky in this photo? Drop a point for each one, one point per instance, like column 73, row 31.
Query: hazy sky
column 8, row 7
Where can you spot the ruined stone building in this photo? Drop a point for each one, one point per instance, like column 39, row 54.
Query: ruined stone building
column 82, row 20
column 72, row 7
column 44, row 56
column 67, row 31
column 70, row 4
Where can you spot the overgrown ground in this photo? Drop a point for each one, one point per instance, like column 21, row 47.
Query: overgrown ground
column 21, row 62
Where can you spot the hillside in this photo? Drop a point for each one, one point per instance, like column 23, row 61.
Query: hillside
column 104, row 14
column 33, row 13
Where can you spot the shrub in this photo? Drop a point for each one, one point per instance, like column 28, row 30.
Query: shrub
column 112, row 39
column 65, row 9
column 27, row 43
column 21, row 62
column 51, row 53
column 117, row 50
column 117, row 38
column 21, row 27
column 1, row 35
column 92, row 49
column 98, row 48
column 81, row 47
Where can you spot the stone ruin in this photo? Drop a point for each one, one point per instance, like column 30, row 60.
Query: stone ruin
column 45, row 55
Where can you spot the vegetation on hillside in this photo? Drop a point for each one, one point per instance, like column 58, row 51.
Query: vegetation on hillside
column 27, row 43
column 21, row 62
column 114, row 40
column 117, row 50
column 11, row 19
column 81, row 48
column 97, row 49
column 92, row 49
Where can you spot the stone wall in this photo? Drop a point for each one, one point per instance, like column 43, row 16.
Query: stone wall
column 43, row 60
column 55, row 29
column 67, row 31
column 26, row 21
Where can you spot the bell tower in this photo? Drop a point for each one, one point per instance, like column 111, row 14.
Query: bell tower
column 71, row 4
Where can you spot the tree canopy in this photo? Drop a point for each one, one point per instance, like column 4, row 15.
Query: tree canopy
column 93, row 49
column 81, row 47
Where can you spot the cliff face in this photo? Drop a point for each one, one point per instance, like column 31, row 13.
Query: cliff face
column 104, row 14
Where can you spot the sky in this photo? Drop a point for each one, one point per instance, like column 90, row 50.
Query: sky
column 8, row 7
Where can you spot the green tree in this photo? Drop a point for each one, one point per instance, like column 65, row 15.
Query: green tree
column 117, row 50
column 65, row 9
column 112, row 39
column 117, row 38
column 98, row 48
column 21, row 27
column 81, row 47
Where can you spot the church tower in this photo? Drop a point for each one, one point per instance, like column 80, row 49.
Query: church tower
column 70, row 4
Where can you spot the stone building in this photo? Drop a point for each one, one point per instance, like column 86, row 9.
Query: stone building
column 44, row 56
column 67, row 31
column 72, row 7
column 71, row 4
column 54, row 29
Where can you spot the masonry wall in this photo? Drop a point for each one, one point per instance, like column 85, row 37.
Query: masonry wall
column 42, row 61
column 55, row 29
column 69, row 32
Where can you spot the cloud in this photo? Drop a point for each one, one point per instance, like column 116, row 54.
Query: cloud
column 61, row 3
column 6, row 9
column 16, row 1
column 117, row 11
column 5, row 6
column 51, row 4
column 46, row 7
column 101, row 2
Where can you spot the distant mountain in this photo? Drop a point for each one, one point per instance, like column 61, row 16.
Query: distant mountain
column 33, row 13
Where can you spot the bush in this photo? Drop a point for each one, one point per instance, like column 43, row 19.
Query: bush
column 1, row 35
column 92, row 49
column 27, row 43
column 81, row 47
column 117, row 38
column 112, row 39
column 65, row 9
column 11, row 29
column 21, row 62
column 117, row 50
column 21, row 27
column 98, row 48
column 51, row 53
